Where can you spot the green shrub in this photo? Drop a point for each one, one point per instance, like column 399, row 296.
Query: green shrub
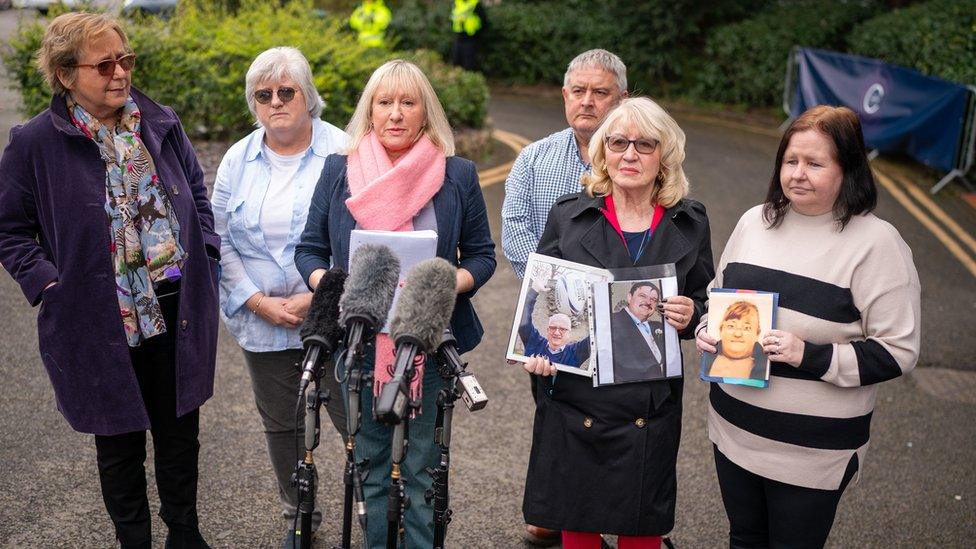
column 745, row 62
column 196, row 62
column 423, row 24
column 936, row 38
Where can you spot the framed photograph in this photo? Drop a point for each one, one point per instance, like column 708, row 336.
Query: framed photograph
column 739, row 319
column 553, row 317
column 634, row 343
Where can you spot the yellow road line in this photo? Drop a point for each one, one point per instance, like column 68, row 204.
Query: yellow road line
column 498, row 174
column 953, row 246
column 940, row 214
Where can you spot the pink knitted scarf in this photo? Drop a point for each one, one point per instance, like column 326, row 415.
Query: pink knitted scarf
column 385, row 196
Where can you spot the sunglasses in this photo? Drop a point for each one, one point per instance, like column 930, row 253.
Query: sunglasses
column 107, row 67
column 617, row 143
column 264, row 96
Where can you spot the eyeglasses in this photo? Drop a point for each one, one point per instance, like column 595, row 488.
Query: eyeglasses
column 107, row 67
column 617, row 143
column 558, row 329
column 284, row 94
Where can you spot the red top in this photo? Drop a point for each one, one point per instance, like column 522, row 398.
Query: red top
column 611, row 214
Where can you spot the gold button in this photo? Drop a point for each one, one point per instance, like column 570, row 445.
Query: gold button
column 587, row 423
column 640, row 422
column 183, row 324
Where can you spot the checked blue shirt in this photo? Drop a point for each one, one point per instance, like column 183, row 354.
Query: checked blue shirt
column 543, row 171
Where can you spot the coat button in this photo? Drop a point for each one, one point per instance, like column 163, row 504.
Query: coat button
column 587, row 423
column 183, row 324
column 640, row 422
column 176, row 190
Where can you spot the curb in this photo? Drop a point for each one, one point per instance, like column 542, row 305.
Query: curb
column 491, row 176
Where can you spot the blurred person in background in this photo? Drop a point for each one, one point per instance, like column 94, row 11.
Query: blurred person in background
column 370, row 20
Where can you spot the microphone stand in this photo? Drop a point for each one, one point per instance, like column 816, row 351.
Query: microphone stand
column 355, row 472
column 394, row 406
column 306, row 476
column 458, row 384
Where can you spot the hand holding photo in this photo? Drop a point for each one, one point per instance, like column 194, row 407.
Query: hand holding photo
column 552, row 320
column 738, row 319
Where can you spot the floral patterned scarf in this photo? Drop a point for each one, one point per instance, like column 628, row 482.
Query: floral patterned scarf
column 145, row 243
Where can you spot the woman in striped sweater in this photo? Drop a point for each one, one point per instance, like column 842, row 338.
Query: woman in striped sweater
column 848, row 319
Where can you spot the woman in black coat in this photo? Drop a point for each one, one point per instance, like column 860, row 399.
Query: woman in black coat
column 603, row 459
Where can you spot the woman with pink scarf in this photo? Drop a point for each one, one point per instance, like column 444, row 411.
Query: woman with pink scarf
column 401, row 174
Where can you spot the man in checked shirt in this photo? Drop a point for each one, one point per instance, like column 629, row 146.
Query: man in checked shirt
column 595, row 83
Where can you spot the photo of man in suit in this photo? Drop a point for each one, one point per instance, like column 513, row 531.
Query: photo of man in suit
column 638, row 339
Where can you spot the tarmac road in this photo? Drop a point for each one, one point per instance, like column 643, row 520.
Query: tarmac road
column 918, row 488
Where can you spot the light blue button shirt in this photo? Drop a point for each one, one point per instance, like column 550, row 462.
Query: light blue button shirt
column 247, row 265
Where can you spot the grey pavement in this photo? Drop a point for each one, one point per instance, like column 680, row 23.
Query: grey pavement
column 918, row 487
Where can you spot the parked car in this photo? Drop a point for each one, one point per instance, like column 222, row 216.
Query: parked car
column 155, row 7
column 43, row 5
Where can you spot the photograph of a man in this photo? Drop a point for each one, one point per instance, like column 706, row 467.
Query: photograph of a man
column 738, row 353
column 638, row 333
column 556, row 344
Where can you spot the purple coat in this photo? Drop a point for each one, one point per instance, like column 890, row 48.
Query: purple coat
column 53, row 227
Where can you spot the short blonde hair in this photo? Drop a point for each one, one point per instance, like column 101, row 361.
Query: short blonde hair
column 402, row 75
column 63, row 41
column 653, row 122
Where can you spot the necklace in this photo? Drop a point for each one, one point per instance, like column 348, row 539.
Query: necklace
column 640, row 250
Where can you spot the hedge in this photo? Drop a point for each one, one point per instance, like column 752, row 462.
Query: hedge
column 745, row 62
column 936, row 38
column 196, row 62
column 529, row 42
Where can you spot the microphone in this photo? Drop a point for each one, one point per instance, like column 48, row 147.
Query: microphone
column 472, row 394
column 423, row 312
column 321, row 331
column 373, row 276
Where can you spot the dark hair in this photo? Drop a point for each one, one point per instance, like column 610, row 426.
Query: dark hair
column 841, row 126
column 642, row 283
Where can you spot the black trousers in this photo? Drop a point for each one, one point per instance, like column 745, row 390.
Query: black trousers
column 121, row 458
column 764, row 513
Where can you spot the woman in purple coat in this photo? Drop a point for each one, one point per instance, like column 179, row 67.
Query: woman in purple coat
column 105, row 222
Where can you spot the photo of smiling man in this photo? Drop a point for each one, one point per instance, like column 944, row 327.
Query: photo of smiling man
column 638, row 333
column 555, row 344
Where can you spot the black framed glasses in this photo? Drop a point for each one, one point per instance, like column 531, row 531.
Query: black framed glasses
column 265, row 95
column 107, row 67
column 619, row 143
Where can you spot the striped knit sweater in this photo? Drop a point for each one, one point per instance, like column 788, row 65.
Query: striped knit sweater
column 853, row 297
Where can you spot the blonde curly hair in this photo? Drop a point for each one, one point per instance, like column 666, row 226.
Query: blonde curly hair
column 651, row 121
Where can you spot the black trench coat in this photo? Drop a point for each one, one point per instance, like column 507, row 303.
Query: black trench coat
column 603, row 459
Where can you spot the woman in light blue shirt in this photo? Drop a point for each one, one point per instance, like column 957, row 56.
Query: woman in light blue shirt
column 261, row 200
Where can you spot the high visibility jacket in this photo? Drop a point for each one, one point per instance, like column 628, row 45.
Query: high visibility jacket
column 464, row 18
column 370, row 20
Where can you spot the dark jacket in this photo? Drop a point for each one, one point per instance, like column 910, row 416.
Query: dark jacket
column 603, row 459
column 463, row 235
column 633, row 360
column 53, row 228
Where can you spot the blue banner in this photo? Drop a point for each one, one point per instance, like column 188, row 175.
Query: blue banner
column 901, row 110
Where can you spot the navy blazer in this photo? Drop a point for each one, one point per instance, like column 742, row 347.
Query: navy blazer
column 463, row 234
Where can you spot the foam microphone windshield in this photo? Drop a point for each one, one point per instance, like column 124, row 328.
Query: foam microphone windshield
column 322, row 320
column 425, row 306
column 373, row 276
column 321, row 331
